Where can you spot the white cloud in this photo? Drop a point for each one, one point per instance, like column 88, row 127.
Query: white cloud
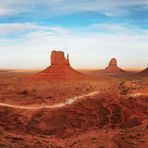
column 89, row 46
column 87, row 49
column 11, row 7
column 11, row 27
column 55, row 7
column 29, row 29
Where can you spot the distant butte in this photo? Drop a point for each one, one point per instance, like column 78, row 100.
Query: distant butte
column 113, row 67
column 60, row 68
column 144, row 72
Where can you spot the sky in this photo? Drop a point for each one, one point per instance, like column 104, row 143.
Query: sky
column 91, row 31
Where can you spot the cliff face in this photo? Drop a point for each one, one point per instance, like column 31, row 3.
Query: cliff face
column 112, row 67
column 144, row 72
column 59, row 69
column 58, row 58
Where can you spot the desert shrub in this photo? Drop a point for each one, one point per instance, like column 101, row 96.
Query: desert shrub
column 116, row 114
column 123, row 89
column 24, row 92
column 131, row 123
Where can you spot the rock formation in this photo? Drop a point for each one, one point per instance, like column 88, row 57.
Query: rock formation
column 144, row 72
column 57, row 58
column 59, row 69
column 113, row 67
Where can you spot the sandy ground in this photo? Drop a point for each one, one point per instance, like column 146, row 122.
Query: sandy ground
column 58, row 105
column 104, row 112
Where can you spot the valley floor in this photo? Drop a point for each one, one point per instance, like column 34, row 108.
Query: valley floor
column 100, row 112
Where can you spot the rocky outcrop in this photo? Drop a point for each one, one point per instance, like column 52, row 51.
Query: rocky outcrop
column 113, row 67
column 57, row 58
column 88, row 113
column 59, row 69
column 144, row 72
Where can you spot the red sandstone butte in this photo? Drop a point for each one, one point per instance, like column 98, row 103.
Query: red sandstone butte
column 60, row 68
column 144, row 72
column 113, row 67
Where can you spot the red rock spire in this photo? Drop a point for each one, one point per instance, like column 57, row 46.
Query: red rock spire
column 68, row 59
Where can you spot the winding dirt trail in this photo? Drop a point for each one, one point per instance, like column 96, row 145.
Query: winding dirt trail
column 36, row 107
column 138, row 94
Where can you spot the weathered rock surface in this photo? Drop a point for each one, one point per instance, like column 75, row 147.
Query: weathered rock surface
column 144, row 72
column 59, row 69
column 58, row 58
column 84, row 115
column 113, row 67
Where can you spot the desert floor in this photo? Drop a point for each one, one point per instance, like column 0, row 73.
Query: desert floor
column 103, row 111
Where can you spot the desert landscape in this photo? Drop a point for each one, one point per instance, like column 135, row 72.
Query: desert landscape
column 74, row 74
column 100, row 110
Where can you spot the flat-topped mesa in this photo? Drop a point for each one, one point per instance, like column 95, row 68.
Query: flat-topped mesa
column 113, row 67
column 59, row 69
column 58, row 58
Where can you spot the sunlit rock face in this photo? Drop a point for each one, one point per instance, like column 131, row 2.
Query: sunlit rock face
column 113, row 62
column 59, row 69
column 113, row 67
column 58, row 58
column 144, row 72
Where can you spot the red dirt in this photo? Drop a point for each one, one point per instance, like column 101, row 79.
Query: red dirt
column 106, row 119
column 92, row 113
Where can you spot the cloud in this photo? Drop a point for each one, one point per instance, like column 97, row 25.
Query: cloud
column 19, row 30
column 87, row 49
column 10, row 27
column 56, row 7
column 11, row 7
column 28, row 45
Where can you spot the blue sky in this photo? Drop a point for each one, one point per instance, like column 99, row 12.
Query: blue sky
column 91, row 31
